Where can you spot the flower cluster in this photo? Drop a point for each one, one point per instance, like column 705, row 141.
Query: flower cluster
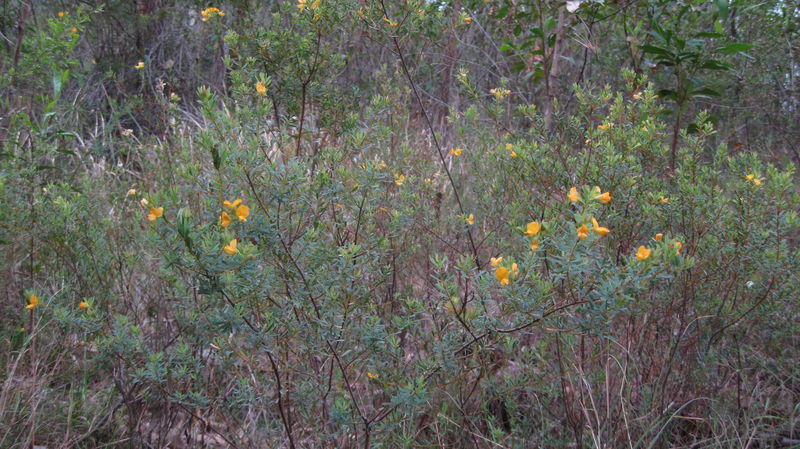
column 208, row 13
column 499, row 93
column 239, row 210
column 755, row 180
column 596, row 194
column 504, row 273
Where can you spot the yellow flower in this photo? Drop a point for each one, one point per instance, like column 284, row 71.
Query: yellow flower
column 143, row 202
column 599, row 229
column 33, row 301
column 495, row 261
column 501, row 274
column 232, row 205
column 583, row 231
column 678, row 247
column 573, row 195
column 74, row 30
column 301, row 5
column 399, row 179
column 533, row 228
column 230, row 248
column 242, row 212
column 225, row 219
column 637, row 96
column 664, row 200
column 456, row 151
column 509, row 147
column 208, row 13
column 534, row 245
column 604, row 197
column 61, row 14
column 749, row 177
column 83, row 305
column 513, row 154
column 659, row 236
column 642, row 253
column 372, row 376
column 315, row 5
column 139, row 65
column 471, row 219
column 757, row 182
column 131, row 192
column 515, row 269
column 155, row 212
column 261, row 88
column 605, row 126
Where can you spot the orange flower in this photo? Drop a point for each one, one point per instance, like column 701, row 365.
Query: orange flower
column 533, row 228
column 599, row 229
column 155, row 213
column 232, row 205
column 605, row 198
column 495, row 261
column 33, row 301
column 659, row 236
column 230, row 248
column 642, row 253
column 242, row 212
column 573, row 195
column 83, row 305
column 501, row 274
column 534, row 245
column 583, row 231
column 225, row 219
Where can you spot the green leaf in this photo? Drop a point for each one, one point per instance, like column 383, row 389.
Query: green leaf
column 713, row 64
column 656, row 50
column 734, row 48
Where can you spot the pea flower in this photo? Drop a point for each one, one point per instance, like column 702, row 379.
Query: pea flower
column 642, row 253
column 501, row 274
column 583, row 231
column 139, row 65
column 372, row 376
column 471, row 219
column 131, row 192
column 230, row 248
column 515, row 269
column 155, row 213
column 242, row 212
column 599, row 229
column 605, row 197
column 33, row 301
column 232, row 205
column 534, row 245
column 261, row 88
column 678, row 247
column 208, row 13
column 533, row 228
column 399, row 179
column 495, row 261
column 83, row 305
column 659, row 236
column 456, row 151
column 573, row 195
column 224, row 219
